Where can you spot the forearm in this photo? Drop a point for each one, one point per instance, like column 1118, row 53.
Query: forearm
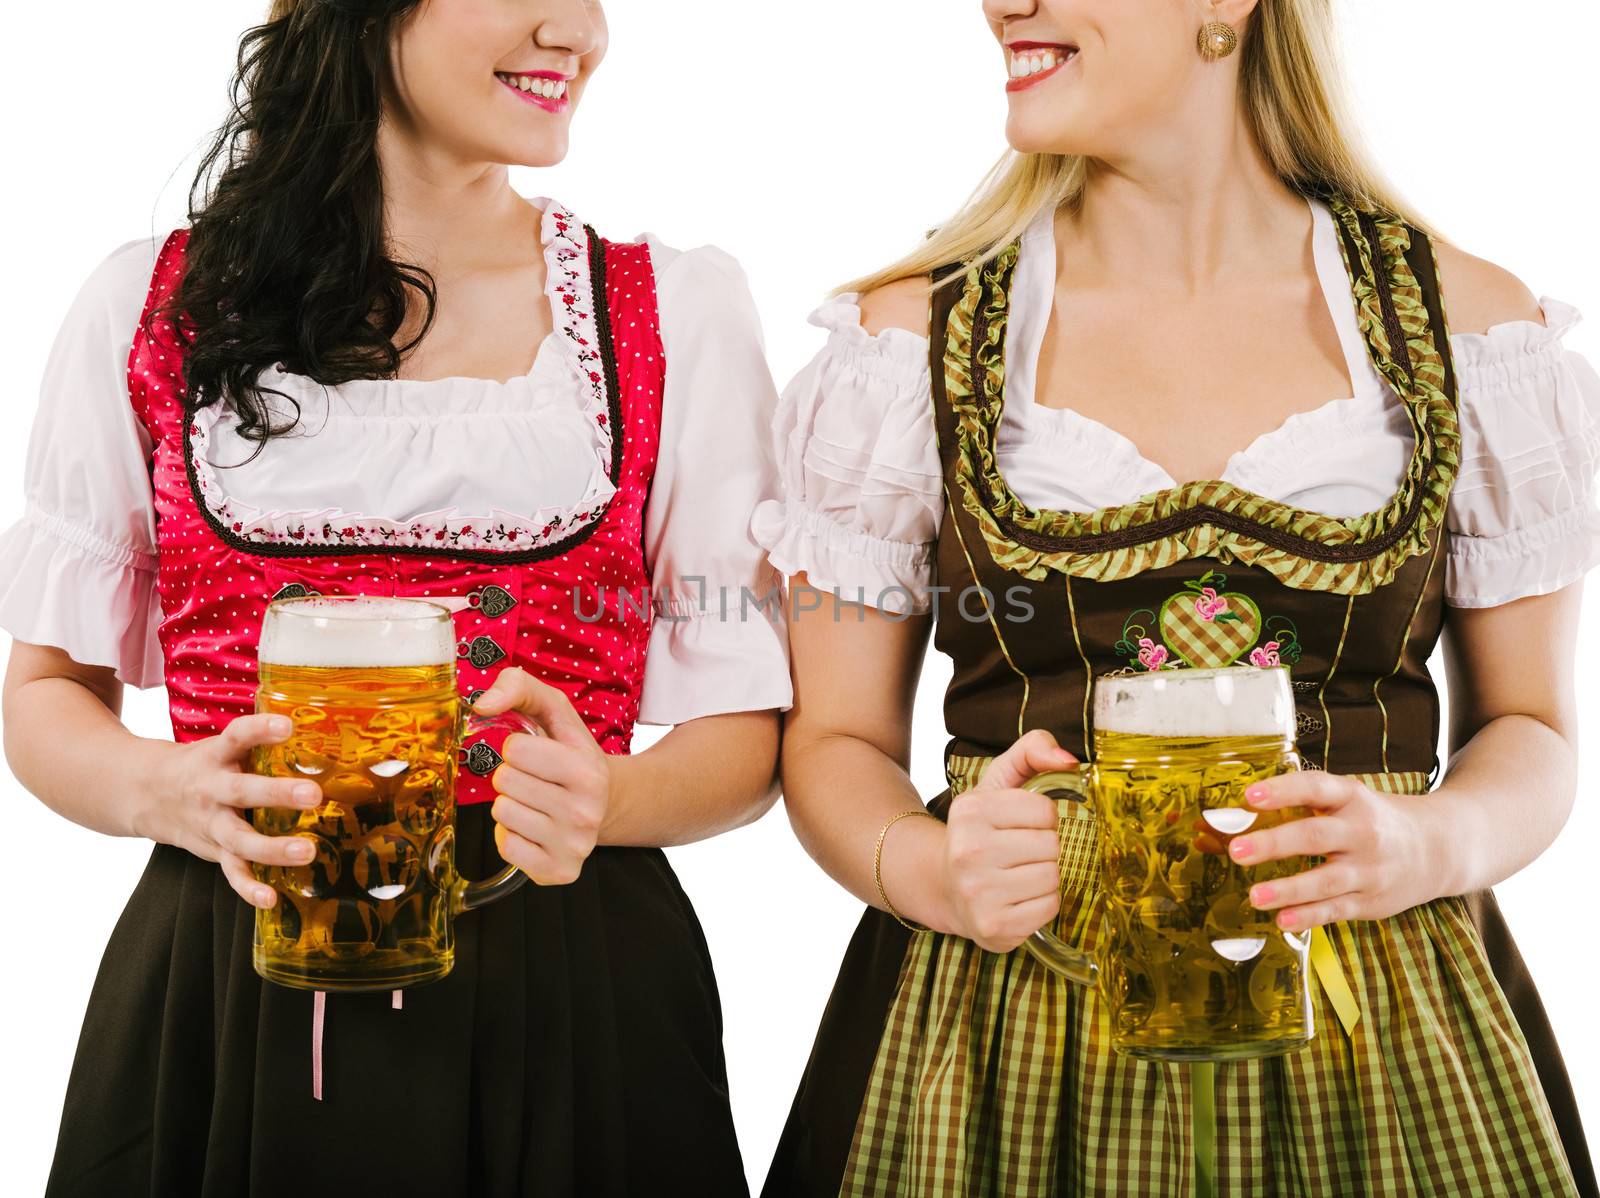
column 1505, row 798
column 71, row 750
column 701, row 779
column 840, row 792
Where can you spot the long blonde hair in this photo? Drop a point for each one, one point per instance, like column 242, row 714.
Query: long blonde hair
column 1293, row 96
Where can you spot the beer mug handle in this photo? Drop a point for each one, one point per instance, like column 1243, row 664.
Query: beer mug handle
column 468, row 896
column 1048, row 948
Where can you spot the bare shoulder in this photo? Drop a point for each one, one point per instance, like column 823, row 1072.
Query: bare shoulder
column 902, row 304
column 1480, row 294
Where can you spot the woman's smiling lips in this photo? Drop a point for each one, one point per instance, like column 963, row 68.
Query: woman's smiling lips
column 547, row 89
column 1032, row 63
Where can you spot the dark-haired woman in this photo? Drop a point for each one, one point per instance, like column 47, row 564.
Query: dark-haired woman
column 368, row 366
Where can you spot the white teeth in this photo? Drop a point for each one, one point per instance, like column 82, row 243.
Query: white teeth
column 1032, row 62
column 550, row 89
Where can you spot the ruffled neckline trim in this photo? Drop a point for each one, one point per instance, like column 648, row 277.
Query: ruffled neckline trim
column 1216, row 518
column 569, row 286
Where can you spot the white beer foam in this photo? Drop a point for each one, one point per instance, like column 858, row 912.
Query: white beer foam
column 1238, row 701
column 375, row 633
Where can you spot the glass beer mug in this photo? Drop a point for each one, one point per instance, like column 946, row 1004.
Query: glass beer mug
column 1188, row 969
column 370, row 684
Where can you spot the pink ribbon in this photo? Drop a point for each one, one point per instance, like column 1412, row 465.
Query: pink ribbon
column 319, row 1009
column 319, row 1016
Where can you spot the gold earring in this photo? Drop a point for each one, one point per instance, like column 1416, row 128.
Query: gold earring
column 1217, row 40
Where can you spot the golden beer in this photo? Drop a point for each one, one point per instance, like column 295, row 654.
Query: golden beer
column 1188, row 968
column 370, row 685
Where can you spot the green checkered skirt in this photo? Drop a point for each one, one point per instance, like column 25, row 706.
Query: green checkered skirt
column 995, row 1078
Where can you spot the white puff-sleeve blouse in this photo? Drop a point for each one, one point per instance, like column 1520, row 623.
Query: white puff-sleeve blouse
column 863, row 492
column 77, row 572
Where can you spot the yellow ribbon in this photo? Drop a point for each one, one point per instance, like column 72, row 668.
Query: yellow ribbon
column 1202, row 1074
column 1203, row 1127
column 1325, row 963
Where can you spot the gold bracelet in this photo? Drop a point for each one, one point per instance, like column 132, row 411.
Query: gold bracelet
column 877, row 867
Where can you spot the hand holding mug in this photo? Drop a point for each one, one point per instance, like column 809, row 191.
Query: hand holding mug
column 1376, row 854
column 1001, row 852
column 204, row 790
column 554, row 790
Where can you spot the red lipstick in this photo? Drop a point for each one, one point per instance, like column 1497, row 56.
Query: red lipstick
column 1020, row 83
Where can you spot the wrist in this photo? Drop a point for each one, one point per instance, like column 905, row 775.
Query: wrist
column 619, row 768
column 1443, row 852
column 152, row 785
column 911, row 866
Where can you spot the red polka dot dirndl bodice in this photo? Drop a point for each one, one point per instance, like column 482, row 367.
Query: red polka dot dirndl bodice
column 521, row 598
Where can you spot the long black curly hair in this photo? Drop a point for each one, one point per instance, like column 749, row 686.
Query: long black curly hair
column 287, row 258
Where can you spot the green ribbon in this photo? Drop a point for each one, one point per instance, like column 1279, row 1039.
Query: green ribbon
column 1203, row 1126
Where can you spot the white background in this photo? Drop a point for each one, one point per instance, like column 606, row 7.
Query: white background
column 813, row 140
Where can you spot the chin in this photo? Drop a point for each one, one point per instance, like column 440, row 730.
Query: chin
column 547, row 150
column 1041, row 133
column 553, row 154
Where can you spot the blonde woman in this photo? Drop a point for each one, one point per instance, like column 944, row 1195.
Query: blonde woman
column 1186, row 271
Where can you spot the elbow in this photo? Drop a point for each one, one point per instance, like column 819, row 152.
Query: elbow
column 768, row 783
column 11, row 715
column 768, row 799
column 765, row 795
column 9, row 747
column 1560, row 758
column 801, row 800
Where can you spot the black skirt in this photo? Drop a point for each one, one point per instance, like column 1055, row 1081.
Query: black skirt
column 575, row 1050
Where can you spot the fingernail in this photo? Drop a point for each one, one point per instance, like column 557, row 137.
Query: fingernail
column 1260, row 896
column 1289, row 919
column 265, row 897
column 306, row 793
column 302, row 850
column 1256, row 793
column 1242, row 849
column 280, row 725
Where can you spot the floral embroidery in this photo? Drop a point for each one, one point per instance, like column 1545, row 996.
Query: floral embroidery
column 1210, row 605
column 1151, row 655
column 1285, row 640
column 566, row 259
column 1206, row 626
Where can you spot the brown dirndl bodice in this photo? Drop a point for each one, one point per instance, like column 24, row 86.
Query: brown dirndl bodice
column 1358, row 649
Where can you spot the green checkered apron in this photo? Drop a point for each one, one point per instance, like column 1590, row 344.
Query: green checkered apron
column 944, row 1070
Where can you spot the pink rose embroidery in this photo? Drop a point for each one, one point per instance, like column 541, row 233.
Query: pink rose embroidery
column 1266, row 656
column 1151, row 655
column 1209, row 604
